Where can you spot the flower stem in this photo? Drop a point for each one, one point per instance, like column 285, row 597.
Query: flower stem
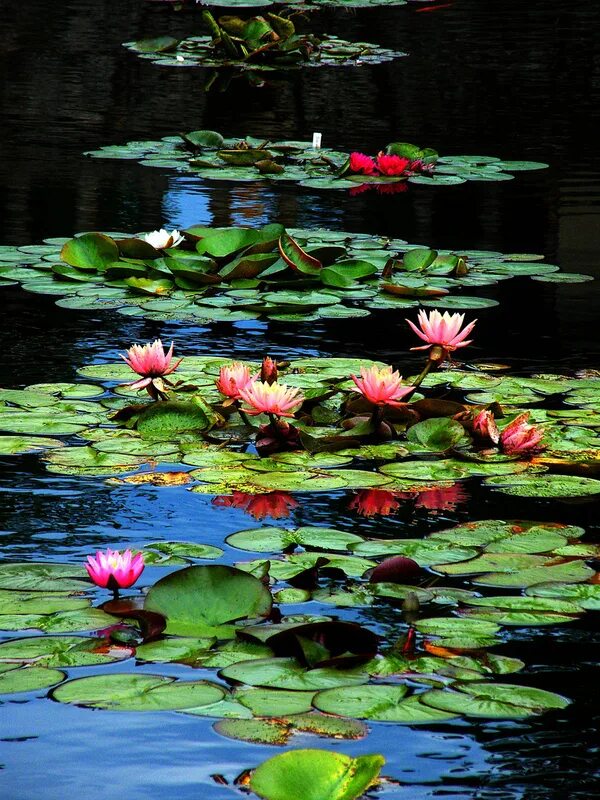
column 243, row 414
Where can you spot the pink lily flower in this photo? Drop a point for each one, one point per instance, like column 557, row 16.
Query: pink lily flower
column 273, row 398
column 233, row 378
column 485, row 428
column 520, row 438
column 442, row 330
column 381, row 386
column 392, row 165
column 153, row 364
column 115, row 570
column 362, row 164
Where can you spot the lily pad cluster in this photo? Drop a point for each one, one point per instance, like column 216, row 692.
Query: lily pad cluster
column 197, row 439
column 272, row 670
column 268, row 42
column 209, row 154
column 237, row 274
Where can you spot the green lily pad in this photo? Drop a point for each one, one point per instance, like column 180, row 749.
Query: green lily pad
column 43, row 577
column 198, row 599
column 274, row 540
column 287, row 673
column 62, row 651
column 143, row 692
column 380, row 703
column 29, row 679
column 494, row 700
column 546, row 486
column 324, row 775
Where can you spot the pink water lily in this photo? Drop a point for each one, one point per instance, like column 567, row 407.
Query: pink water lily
column 362, row 164
column 392, row 165
column 233, row 378
column 442, row 330
column 274, row 398
column 519, row 438
column 115, row 570
column 485, row 428
column 153, row 364
column 381, row 386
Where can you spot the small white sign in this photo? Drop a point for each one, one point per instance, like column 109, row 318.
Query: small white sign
column 317, row 140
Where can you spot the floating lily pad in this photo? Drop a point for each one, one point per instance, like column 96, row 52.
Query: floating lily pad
column 324, row 775
column 143, row 692
column 494, row 700
column 287, row 673
column 29, row 679
column 62, row 651
column 380, row 703
column 198, row 599
column 43, row 577
column 273, row 540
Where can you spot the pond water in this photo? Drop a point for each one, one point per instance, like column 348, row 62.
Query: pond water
column 520, row 81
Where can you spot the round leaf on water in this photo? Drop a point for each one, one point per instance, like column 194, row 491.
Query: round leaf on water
column 90, row 251
column 29, row 679
column 287, row 673
column 166, row 419
column 545, row 486
column 200, row 597
column 423, row 551
column 436, row 434
column 62, row 651
column 275, row 702
column 137, row 692
column 185, row 649
column 379, row 702
column 274, row 540
column 322, row 774
column 495, row 700
column 586, row 595
column 17, row 445
column 43, row 577
column 570, row 572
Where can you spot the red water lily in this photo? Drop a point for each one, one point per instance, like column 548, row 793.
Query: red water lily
column 392, row 165
column 362, row 164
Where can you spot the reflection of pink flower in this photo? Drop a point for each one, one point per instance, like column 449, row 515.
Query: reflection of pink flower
column 485, row 428
column 443, row 330
column 152, row 363
column 369, row 502
column 276, row 505
column 274, row 398
column 381, row 386
column 391, row 165
column 115, row 570
column 442, row 499
column 234, row 377
column 362, row 164
column 391, row 188
column 521, row 438
column 364, row 187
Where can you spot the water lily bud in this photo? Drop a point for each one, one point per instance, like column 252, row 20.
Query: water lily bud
column 268, row 370
column 411, row 602
column 397, row 569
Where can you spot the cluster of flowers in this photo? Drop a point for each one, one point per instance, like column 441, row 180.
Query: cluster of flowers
column 389, row 166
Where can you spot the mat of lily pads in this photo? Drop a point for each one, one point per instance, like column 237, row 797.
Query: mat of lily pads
column 237, row 274
column 208, row 154
column 267, row 666
column 194, row 440
column 259, row 44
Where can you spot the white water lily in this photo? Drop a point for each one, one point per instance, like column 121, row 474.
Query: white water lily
column 162, row 239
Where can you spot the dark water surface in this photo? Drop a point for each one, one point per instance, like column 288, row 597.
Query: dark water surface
column 512, row 79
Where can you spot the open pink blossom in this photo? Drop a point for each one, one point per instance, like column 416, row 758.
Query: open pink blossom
column 153, row 364
column 381, row 386
column 519, row 438
column 273, row 398
column 485, row 428
column 362, row 164
column 115, row 570
column 392, row 165
column 233, row 378
column 442, row 330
